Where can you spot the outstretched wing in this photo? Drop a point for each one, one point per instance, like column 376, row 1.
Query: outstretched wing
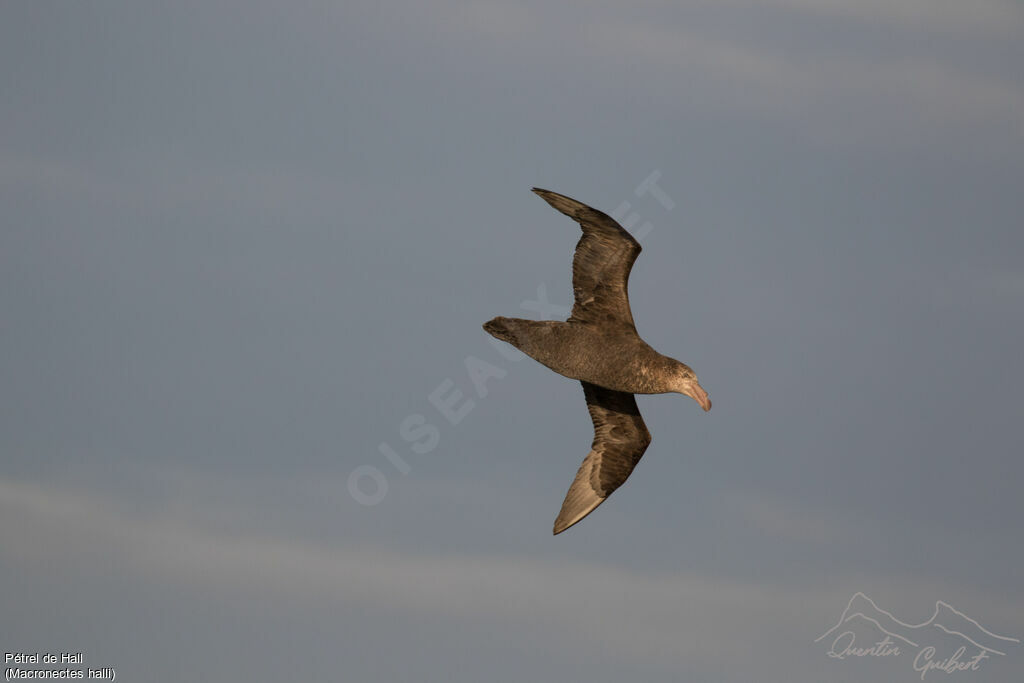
column 620, row 439
column 600, row 268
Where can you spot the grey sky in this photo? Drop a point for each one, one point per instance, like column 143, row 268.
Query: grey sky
column 243, row 242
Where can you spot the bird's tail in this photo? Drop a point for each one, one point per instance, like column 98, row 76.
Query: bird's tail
column 504, row 329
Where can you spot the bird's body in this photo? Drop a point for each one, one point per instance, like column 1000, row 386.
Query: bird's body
column 599, row 346
column 616, row 360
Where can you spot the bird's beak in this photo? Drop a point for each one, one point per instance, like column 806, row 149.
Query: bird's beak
column 695, row 391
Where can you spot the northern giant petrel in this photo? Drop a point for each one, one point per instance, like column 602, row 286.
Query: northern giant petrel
column 599, row 346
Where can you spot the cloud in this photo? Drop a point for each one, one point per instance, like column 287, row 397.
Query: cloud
column 655, row 614
column 918, row 90
column 781, row 519
column 669, row 615
column 1008, row 283
column 989, row 16
column 170, row 181
column 860, row 85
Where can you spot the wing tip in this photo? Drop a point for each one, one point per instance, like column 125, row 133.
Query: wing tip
column 587, row 216
column 561, row 526
column 572, row 208
column 564, row 521
column 547, row 195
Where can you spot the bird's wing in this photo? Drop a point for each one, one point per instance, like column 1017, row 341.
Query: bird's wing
column 600, row 268
column 620, row 439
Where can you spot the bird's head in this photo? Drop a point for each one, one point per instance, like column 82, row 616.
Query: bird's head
column 685, row 382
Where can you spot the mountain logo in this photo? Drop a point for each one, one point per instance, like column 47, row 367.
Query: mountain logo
column 950, row 641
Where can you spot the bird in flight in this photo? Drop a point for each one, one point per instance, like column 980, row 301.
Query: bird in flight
column 599, row 346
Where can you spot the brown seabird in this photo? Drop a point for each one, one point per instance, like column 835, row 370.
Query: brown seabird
column 599, row 346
